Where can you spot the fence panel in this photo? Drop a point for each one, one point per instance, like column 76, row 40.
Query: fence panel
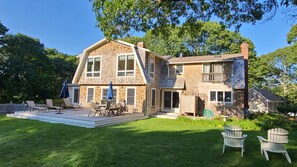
column 11, row 107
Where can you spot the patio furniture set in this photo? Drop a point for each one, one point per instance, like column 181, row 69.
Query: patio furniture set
column 277, row 138
column 107, row 108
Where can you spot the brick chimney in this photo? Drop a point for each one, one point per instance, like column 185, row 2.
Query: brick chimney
column 244, row 49
column 141, row 44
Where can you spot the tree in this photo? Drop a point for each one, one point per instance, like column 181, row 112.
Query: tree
column 278, row 70
column 292, row 35
column 119, row 18
column 209, row 38
column 24, row 69
column 63, row 67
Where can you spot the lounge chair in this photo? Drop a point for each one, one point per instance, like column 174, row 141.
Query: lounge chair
column 32, row 106
column 277, row 138
column 68, row 104
column 233, row 137
column 50, row 105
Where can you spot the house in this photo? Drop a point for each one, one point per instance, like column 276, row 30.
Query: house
column 151, row 83
column 262, row 100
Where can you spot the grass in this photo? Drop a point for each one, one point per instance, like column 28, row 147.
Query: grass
column 151, row 142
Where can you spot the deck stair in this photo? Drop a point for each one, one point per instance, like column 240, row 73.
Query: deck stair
column 166, row 115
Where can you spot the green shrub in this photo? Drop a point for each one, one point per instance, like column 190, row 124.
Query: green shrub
column 261, row 122
column 287, row 109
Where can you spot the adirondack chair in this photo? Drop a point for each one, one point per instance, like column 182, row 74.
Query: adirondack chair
column 277, row 138
column 233, row 137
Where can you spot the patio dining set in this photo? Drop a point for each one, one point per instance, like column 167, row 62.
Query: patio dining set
column 107, row 108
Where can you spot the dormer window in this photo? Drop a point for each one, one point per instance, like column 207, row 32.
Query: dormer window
column 179, row 69
column 125, row 65
column 93, row 67
column 152, row 67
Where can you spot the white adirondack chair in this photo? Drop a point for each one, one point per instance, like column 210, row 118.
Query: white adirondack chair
column 277, row 138
column 233, row 137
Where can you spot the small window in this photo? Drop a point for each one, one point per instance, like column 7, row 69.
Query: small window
column 93, row 67
column 104, row 95
column 152, row 67
column 213, row 96
column 227, row 96
column 90, row 96
column 153, row 97
column 220, row 97
column 130, row 96
column 179, row 69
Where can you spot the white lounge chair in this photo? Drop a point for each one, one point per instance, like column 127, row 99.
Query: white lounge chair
column 233, row 137
column 32, row 106
column 68, row 103
column 50, row 105
column 277, row 138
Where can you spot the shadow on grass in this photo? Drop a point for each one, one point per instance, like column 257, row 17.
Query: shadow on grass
column 151, row 142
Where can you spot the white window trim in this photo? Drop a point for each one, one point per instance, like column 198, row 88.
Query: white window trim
column 152, row 59
column 88, row 93
column 219, row 102
column 175, row 67
column 152, row 96
column 113, row 87
column 93, row 57
column 117, row 62
column 131, row 87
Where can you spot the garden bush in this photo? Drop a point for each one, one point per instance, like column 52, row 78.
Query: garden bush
column 259, row 122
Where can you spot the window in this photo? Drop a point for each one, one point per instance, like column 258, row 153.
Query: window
column 152, row 67
column 90, row 94
column 179, row 69
column 130, row 96
column 125, row 65
column 104, row 95
column 213, row 68
column 213, row 72
column 153, row 97
column 221, row 96
column 93, row 67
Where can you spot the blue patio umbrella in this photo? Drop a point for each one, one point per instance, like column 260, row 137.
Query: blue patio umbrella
column 64, row 92
column 110, row 93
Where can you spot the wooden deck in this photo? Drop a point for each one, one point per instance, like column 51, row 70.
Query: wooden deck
column 78, row 118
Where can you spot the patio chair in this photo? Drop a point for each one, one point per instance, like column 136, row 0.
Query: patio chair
column 123, row 106
column 277, row 138
column 233, row 137
column 50, row 105
column 32, row 106
column 68, row 104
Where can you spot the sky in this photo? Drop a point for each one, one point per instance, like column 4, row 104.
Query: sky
column 70, row 25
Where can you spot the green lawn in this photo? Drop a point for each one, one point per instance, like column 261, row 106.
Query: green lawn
column 151, row 142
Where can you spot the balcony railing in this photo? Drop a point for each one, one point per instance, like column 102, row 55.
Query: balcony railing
column 213, row 77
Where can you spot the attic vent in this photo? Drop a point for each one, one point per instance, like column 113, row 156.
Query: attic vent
column 217, row 56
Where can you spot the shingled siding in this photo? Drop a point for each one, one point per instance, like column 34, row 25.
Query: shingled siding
column 194, row 86
column 109, row 53
column 121, row 94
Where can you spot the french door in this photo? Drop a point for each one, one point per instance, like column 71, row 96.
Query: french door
column 171, row 101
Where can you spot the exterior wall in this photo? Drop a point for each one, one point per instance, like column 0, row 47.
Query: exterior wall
column 109, row 53
column 121, row 94
column 192, row 74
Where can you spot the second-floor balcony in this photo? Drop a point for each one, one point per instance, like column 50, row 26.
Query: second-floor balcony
column 213, row 77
